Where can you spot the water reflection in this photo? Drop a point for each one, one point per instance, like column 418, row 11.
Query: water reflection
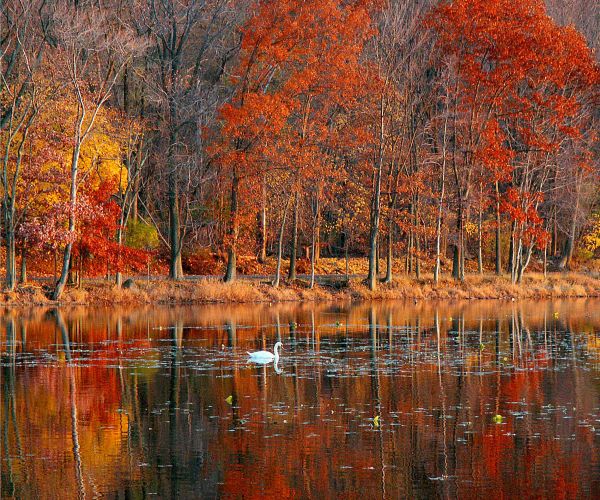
column 380, row 400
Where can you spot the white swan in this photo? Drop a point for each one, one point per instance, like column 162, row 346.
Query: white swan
column 264, row 357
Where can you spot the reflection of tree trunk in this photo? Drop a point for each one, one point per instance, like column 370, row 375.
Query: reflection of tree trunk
column 231, row 333
column 174, row 389
column 73, row 401
column 9, row 407
column 442, row 393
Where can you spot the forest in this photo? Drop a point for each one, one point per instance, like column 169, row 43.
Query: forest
column 218, row 136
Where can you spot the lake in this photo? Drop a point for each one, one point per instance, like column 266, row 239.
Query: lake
column 386, row 400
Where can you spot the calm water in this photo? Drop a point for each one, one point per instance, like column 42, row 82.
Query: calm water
column 384, row 401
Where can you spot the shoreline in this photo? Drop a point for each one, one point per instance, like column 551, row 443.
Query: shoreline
column 212, row 291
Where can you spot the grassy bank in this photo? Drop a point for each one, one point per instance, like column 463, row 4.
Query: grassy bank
column 213, row 291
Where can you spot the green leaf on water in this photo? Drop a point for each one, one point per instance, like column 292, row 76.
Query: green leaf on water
column 229, row 399
column 497, row 419
column 376, row 421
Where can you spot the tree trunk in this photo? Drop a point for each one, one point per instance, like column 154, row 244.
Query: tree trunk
column 511, row 248
column 174, row 229
column 417, row 241
column 314, row 238
column 280, row 244
column 294, row 250
column 318, row 239
column 455, row 261
column 479, row 243
column 62, row 281
column 565, row 261
column 230, row 273
column 118, row 275
column 11, row 271
column 377, row 257
column 390, row 251
column 438, row 231
column 458, row 250
column 23, row 277
column 9, row 241
column 545, row 260
column 498, row 242
column 376, row 205
column 346, row 241
column 262, row 257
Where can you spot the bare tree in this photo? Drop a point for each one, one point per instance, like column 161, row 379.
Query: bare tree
column 93, row 48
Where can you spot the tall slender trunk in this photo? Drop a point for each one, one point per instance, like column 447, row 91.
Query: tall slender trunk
column 313, row 252
column 280, row 244
column 174, row 225
column 545, row 260
column 438, row 226
column 377, row 255
column 62, row 281
column 458, row 248
column 567, row 256
column 230, row 273
column 346, row 242
column 511, row 247
column 262, row 257
column 417, row 240
column 23, row 277
column 376, row 203
column 480, row 236
column 294, row 249
column 409, row 250
column 9, row 243
column 390, row 251
column 498, row 242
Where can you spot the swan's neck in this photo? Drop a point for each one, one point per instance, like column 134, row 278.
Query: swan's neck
column 276, row 352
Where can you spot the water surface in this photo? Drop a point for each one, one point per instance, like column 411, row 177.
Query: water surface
column 463, row 400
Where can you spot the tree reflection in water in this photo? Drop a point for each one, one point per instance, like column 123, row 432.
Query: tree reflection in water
column 136, row 402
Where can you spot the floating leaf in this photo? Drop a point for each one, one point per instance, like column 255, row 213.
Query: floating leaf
column 497, row 419
column 376, row 421
column 229, row 399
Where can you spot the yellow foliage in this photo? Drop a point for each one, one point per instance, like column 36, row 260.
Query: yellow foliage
column 591, row 240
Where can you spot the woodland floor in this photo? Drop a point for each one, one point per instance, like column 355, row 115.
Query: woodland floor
column 330, row 288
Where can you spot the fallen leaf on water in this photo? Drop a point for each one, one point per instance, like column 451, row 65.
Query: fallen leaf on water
column 229, row 399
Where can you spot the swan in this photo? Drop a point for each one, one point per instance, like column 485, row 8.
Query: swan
column 266, row 356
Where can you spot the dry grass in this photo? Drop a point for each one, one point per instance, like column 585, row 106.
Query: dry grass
column 403, row 287
column 485, row 287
